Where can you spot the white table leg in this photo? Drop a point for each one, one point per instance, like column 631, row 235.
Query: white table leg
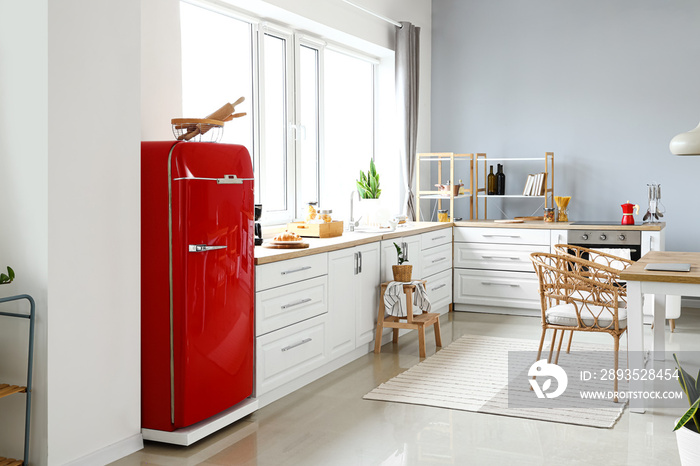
column 658, row 342
column 635, row 336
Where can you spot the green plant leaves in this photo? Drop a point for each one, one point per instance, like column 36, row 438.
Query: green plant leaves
column 399, row 254
column 368, row 184
column 8, row 277
column 690, row 414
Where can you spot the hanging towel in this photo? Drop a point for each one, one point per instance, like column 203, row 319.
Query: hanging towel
column 619, row 252
column 394, row 305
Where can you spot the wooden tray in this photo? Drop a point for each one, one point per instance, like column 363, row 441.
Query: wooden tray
column 285, row 245
column 317, row 230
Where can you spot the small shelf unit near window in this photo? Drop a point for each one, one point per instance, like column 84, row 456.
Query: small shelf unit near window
column 463, row 163
column 481, row 191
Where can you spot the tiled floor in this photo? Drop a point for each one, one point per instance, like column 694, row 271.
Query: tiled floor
column 328, row 423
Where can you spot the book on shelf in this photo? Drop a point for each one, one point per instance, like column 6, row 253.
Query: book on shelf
column 536, row 184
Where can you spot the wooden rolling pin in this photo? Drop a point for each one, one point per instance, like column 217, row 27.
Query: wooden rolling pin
column 225, row 113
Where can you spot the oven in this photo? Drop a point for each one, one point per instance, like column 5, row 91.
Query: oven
column 622, row 243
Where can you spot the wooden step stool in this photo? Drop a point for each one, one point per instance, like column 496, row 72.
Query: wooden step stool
column 418, row 322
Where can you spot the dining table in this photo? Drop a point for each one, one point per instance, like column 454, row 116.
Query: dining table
column 655, row 284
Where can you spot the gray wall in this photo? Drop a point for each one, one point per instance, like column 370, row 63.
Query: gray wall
column 603, row 84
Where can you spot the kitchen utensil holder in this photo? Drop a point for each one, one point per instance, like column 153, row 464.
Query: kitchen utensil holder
column 197, row 129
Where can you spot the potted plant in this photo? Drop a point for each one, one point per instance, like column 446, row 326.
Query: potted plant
column 369, row 191
column 368, row 185
column 402, row 272
column 687, row 432
column 6, row 278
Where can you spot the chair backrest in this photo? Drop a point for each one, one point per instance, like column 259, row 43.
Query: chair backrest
column 589, row 286
column 608, row 263
column 593, row 255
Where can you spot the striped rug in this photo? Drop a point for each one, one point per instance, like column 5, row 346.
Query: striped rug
column 471, row 374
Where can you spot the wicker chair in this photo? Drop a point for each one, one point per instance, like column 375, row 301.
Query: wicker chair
column 579, row 295
column 610, row 264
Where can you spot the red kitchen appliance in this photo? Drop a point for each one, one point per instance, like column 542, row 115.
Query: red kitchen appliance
column 627, row 216
column 197, row 284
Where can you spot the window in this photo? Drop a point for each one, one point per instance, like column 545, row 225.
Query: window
column 310, row 123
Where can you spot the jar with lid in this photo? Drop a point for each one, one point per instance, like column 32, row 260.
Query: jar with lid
column 442, row 216
column 325, row 215
column 549, row 214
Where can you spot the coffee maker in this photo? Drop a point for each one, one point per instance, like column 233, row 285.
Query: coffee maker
column 258, row 228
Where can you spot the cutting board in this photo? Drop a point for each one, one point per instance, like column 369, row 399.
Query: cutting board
column 286, row 245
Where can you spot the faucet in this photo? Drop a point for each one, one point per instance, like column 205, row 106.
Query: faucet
column 353, row 222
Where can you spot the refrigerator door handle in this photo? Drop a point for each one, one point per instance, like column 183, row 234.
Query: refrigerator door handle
column 204, row 248
column 227, row 179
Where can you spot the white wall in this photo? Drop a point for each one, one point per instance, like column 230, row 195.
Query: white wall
column 335, row 21
column 23, row 212
column 94, row 228
column 605, row 85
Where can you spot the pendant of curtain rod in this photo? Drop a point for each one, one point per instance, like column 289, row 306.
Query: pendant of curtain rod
column 384, row 18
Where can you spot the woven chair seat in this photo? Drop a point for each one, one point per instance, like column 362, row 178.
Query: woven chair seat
column 565, row 315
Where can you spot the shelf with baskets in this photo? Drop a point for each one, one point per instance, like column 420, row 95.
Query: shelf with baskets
column 481, row 191
column 448, row 192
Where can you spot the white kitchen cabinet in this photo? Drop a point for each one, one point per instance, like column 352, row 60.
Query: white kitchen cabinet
column 412, row 248
column 288, row 353
column 492, row 268
column 354, row 278
column 367, row 293
column 285, row 305
column 439, row 289
column 290, row 271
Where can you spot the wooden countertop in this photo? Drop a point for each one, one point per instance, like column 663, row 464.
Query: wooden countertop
column 636, row 272
column 539, row 224
column 347, row 240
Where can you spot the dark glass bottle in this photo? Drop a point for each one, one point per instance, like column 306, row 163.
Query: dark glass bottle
column 491, row 183
column 500, row 181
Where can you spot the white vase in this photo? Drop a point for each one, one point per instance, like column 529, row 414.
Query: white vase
column 688, row 446
column 373, row 214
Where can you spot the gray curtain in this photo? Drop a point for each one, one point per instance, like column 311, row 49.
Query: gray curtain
column 407, row 55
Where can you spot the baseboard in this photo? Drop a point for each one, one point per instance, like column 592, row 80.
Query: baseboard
column 111, row 453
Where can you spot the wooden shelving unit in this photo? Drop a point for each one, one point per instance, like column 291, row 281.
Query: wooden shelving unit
column 440, row 158
column 480, row 192
column 8, row 390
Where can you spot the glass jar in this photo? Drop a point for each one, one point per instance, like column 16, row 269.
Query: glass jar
column 325, row 215
column 563, row 215
column 549, row 214
column 442, row 216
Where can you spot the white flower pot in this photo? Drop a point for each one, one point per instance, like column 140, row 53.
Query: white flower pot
column 373, row 213
column 688, row 446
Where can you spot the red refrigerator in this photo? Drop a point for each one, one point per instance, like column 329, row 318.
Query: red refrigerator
column 197, row 284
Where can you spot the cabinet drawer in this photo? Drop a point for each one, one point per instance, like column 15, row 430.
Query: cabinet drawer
column 289, row 353
column 488, row 288
column 510, row 257
column 502, row 235
column 290, row 271
column 437, row 259
column 285, row 305
column 436, row 238
column 439, row 288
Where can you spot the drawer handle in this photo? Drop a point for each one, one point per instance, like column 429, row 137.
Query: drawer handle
column 300, row 269
column 438, row 260
column 305, row 340
column 302, row 301
column 438, row 237
column 501, row 236
column 438, row 287
column 501, row 257
column 500, row 284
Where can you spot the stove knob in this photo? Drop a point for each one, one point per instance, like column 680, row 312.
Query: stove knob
column 621, row 237
column 603, row 237
column 584, row 237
